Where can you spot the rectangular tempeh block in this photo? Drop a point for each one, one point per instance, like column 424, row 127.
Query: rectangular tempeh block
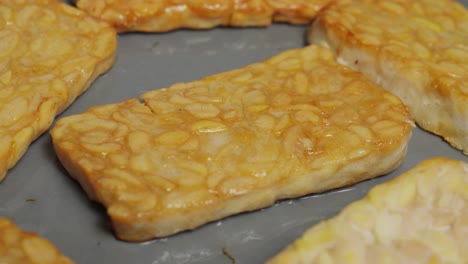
column 166, row 15
column 20, row 247
column 419, row 217
column 417, row 50
column 50, row 53
column 294, row 124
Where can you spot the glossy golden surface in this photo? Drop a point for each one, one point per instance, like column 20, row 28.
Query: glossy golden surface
column 19, row 247
column 195, row 152
column 418, row 50
column 166, row 15
column 49, row 54
column 418, row 217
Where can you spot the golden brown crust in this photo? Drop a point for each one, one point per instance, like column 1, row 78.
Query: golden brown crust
column 419, row 217
column 19, row 247
column 50, row 53
column 237, row 141
column 416, row 49
column 166, row 15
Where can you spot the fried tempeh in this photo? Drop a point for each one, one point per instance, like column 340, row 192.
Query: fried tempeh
column 50, row 53
column 166, row 15
column 20, row 247
column 417, row 50
column 419, row 217
column 295, row 124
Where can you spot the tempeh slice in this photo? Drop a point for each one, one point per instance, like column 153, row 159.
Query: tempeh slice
column 20, row 247
column 295, row 124
column 419, row 217
column 50, row 53
column 166, row 15
column 417, row 50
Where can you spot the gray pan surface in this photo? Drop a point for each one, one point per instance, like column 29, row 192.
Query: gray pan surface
column 39, row 195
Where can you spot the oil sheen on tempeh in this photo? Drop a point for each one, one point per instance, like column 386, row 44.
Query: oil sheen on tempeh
column 166, row 15
column 50, row 53
column 195, row 152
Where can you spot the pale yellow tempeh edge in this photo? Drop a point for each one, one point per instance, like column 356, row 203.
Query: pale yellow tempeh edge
column 417, row 50
column 420, row 216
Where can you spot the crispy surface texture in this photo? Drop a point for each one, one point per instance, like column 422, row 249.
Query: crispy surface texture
column 166, row 15
column 49, row 54
column 19, row 247
column 418, row 50
column 418, row 217
column 195, row 152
